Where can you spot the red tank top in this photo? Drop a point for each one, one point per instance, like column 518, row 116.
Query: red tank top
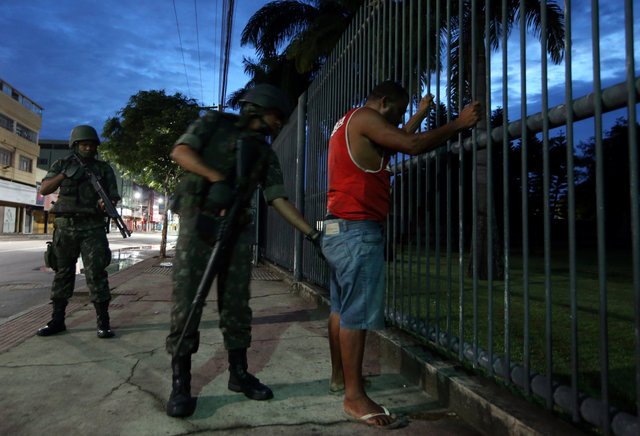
column 355, row 193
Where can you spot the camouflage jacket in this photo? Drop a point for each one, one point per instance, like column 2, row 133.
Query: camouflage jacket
column 77, row 195
column 214, row 137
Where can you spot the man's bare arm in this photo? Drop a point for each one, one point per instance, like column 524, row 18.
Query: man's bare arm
column 287, row 211
column 191, row 161
column 423, row 111
column 51, row 184
column 370, row 124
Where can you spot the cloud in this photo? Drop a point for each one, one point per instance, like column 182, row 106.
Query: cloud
column 82, row 61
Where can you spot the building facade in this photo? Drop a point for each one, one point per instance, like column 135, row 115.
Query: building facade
column 20, row 124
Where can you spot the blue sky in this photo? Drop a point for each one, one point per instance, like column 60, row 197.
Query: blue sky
column 82, row 60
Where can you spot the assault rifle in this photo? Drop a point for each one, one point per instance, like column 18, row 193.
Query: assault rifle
column 110, row 210
column 249, row 168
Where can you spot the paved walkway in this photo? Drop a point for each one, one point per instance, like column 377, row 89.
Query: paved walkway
column 77, row 384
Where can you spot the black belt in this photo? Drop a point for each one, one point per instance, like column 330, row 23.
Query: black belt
column 330, row 216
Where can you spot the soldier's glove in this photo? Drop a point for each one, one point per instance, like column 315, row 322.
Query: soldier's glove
column 72, row 169
column 219, row 197
column 315, row 237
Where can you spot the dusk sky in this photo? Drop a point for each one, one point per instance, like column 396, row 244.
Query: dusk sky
column 82, row 60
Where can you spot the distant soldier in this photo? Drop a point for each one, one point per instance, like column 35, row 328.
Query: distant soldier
column 79, row 229
column 208, row 151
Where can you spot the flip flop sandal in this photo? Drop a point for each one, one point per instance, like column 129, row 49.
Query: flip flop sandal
column 396, row 423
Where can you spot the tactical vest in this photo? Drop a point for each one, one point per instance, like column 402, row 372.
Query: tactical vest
column 78, row 196
column 219, row 152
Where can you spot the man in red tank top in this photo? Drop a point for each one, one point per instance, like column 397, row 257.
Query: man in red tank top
column 358, row 202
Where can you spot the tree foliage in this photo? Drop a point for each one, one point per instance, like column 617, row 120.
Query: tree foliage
column 139, row 139
column 292, row 40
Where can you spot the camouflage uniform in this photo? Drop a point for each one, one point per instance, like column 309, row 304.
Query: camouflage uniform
column 214, row 137
column 79, row 229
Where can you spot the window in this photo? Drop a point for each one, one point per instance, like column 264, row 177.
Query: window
column 43, row 161
column 26, row 133
column 6, row 158
column 6, row 122
column 25, row 164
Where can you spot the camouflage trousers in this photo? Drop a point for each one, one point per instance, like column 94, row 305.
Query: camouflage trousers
column 86, row 237
column 192, row 256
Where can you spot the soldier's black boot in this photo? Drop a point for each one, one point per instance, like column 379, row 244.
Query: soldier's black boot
column 56, row 325
column 181, row 404
column 241, row 381
column 102, row 320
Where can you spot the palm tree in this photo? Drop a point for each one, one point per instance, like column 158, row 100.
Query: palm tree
column 497, row 27
column 306, row 31
column 276, row 70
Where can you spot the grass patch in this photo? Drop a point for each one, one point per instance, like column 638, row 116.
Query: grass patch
column 429, row 290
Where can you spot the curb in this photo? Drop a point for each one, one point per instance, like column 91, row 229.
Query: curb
column 491, row 408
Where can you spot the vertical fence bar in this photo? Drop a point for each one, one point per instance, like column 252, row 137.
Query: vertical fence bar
column 396, row 40
column 437, row 287
column 419, row 177
column 427, row 180
column 449, row 189
column 405, row 179
column 393, row 53
column 461, row 233
column 505, row 196
column 474, row 180
column 412, row 159
column 634, row 184
column 600, row 217
column 525, row 202
column 489, row 176
column 299, row 184
column 370, row 46
column 571, row 212
column 361, row 55
column 546, row 209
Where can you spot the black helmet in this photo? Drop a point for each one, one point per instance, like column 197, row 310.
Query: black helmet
column 268, row 97
column 83, row 133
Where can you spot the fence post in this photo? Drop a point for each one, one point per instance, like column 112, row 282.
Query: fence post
column 300, row 161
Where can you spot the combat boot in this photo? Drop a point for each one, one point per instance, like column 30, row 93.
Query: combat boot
column 181, row 404
column 56, row 325
column 241, row 381
column 102, row 318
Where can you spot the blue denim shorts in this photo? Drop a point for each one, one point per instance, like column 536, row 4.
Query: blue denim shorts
column 355, row 253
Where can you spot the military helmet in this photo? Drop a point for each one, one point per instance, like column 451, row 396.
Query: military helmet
column 83, row 133
column 268, row 97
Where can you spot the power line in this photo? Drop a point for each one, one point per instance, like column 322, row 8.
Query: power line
column 175, row 12
column 195, row 7
column 215, row 53
column 225, row 41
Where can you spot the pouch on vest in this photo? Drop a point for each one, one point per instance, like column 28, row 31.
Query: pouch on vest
column 50, row 260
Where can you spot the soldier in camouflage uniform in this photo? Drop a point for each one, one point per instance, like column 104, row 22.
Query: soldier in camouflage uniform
column 79, row 229
column 208, row 152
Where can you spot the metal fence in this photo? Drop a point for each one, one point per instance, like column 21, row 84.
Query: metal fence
column 514, row 249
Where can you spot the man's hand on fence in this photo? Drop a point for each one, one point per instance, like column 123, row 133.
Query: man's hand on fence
column 425, row 104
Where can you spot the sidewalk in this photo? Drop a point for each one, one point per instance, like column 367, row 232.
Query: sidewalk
column 74, row 383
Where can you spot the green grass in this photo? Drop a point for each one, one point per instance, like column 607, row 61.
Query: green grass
column 409, row 296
